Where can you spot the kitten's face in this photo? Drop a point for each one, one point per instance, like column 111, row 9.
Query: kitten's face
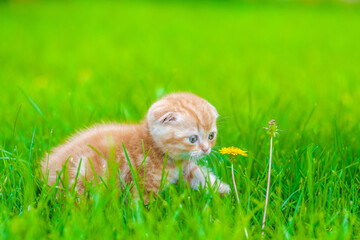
column 183, row 124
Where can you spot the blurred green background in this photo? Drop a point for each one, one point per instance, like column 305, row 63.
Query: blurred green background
column 65, row 65
column 82, row 62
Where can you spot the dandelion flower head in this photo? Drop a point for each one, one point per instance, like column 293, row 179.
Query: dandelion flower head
column 233, row 151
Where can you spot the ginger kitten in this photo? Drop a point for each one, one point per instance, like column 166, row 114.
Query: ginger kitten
column 181, row 123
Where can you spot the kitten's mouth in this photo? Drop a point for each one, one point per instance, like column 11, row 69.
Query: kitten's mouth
column 198, row 156
column 192, row 156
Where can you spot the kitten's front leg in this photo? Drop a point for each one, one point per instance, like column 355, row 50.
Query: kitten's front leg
column 196, row 176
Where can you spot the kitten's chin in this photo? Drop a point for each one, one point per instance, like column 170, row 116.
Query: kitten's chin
column 196, row 158
column 192, row 156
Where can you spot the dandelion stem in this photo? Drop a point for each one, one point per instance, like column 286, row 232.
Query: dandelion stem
column 268, row 186
column 233, row 177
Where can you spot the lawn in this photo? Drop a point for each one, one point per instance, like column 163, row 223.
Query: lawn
column 65, row 65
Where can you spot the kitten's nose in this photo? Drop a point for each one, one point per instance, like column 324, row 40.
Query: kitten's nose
column 205, row 150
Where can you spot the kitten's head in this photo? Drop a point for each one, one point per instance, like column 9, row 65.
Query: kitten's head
column 184, row 124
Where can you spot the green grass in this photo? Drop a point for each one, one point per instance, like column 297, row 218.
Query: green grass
column 65, row 66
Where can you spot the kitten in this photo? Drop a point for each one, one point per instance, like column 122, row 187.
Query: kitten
column 181, row 123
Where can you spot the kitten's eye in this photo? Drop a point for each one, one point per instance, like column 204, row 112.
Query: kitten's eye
column 193, row 139
column 211, row 136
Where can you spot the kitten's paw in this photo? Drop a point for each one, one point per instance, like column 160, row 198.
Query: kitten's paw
column 224, row 188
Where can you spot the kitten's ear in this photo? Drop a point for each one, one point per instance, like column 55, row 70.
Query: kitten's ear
column 161, row 115
column 166, row 118
column 214, row 111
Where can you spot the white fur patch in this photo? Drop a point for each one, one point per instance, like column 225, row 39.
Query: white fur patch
column 173, row 176
column 124, row 168
column 104, row 165
column 82, row 166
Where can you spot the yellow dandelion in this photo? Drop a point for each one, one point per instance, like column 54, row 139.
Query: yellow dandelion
column 233, row 151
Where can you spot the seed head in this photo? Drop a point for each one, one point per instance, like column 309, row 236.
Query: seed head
column 273, row 129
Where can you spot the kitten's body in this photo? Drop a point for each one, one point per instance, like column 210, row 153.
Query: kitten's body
column 169, row 123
